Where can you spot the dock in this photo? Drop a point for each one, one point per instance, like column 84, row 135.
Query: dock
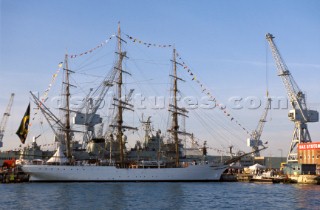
column 244, row 177
column 12, row 175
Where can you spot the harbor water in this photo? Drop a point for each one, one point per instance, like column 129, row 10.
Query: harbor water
column 159, row 195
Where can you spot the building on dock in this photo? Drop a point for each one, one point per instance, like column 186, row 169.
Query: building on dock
column 309, row 154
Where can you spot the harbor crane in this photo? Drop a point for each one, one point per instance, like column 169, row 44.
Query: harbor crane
column 299, row 113
column 254, row 141
column 4, row 119
column 87, row 113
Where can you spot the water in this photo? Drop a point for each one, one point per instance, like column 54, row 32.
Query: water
column 164, row 195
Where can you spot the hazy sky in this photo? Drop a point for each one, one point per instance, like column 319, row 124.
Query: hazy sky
column 223, row 42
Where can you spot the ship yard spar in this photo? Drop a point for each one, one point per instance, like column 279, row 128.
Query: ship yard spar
column 67, row 109
column 175, row 125
column 120, row 120
column 176, row 110
column 63, row 130
column 121, row 104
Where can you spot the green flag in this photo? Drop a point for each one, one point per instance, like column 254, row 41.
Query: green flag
column 22, row 132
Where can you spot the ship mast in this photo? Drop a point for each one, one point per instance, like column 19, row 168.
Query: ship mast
column 175, row 125
column 67, row 108
column 120, row 120
column 121, row 104
column 175, row 110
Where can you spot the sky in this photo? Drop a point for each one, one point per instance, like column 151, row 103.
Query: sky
column 223, row 42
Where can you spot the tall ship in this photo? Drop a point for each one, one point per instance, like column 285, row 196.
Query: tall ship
column 106, row 158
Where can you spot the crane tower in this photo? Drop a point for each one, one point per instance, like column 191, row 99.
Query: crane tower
column 4, row 119
column 254, row 141
column 299, row 113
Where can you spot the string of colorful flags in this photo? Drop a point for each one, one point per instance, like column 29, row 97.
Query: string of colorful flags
column 44, row 98
column 93, row 49
column 53, row 79
column 194, row 78
column 208, row 93
column 135, row 40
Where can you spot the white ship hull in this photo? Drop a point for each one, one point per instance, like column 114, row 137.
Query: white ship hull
column 60, row 173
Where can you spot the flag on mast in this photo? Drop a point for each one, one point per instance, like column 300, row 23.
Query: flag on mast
column 22, row 131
